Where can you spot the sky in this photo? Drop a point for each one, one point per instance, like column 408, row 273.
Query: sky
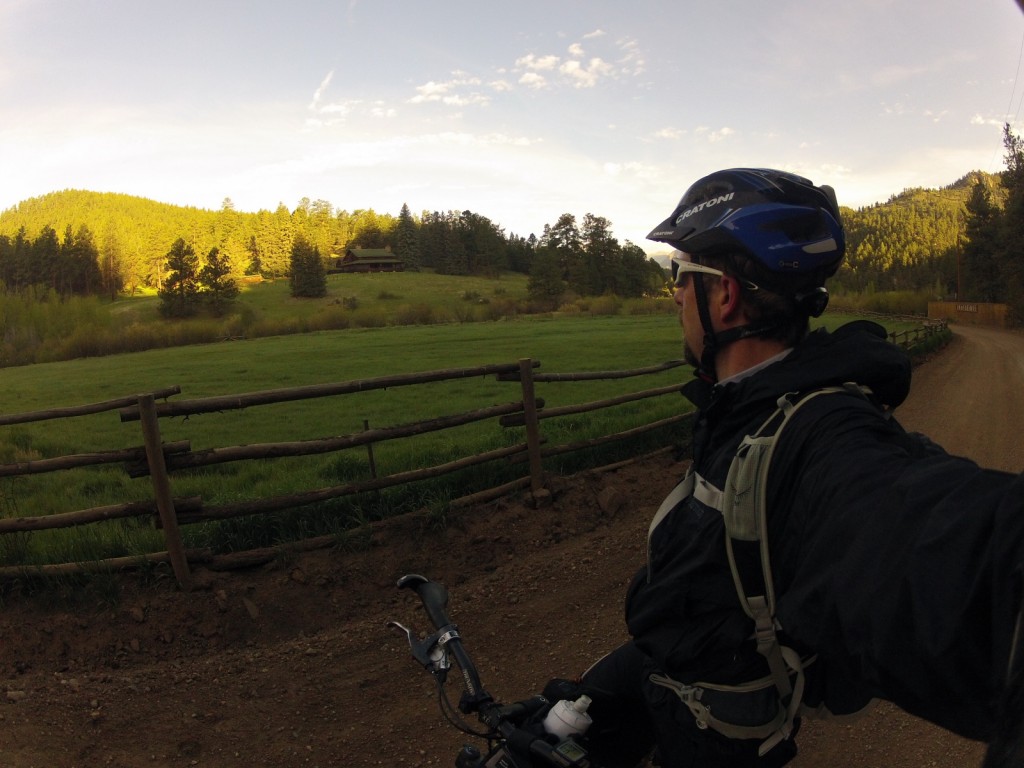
column 519, row 111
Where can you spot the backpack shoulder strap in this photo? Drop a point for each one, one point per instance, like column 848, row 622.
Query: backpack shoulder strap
column 744, row 500
column 744, row 507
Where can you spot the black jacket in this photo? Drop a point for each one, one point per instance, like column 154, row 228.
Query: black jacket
column 895, row 562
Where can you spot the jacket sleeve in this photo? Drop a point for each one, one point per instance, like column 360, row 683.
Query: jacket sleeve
column 898, row 563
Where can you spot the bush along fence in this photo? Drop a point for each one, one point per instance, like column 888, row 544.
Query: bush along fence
column 161, row 460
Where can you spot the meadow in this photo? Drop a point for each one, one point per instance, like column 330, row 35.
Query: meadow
column 36, row 326
column 576, row 339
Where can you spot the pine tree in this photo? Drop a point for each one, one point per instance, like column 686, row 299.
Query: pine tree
column 45, row 267
column 111, row 258
column 981, row 273
column 218, row 289
column 565, row 241
column 546, row 285
column 179, row 295
column 1012, row 258
column 407, row 245
column 308, row 278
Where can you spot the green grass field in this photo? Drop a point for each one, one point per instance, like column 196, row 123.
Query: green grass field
column 270, row 302
column 562, row 344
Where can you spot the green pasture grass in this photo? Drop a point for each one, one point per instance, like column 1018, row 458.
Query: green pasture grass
column 270, row 303
column 561, row 344
column 37, row 326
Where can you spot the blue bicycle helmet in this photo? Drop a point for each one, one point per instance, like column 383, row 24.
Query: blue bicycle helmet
column 790, row 228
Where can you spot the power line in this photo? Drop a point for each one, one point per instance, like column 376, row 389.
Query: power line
column 1013, row 92
column 1016, row 78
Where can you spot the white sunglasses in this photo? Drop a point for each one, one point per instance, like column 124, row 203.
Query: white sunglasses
column 681, row 267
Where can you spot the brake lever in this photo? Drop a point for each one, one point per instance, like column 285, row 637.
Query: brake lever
column 429, row 651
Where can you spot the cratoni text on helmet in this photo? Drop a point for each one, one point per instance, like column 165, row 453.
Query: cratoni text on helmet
column 706, row 204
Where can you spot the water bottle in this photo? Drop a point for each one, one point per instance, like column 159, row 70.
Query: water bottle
column 568, row 717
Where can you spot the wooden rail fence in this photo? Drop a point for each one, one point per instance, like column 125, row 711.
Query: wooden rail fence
column 160, row 460
column 911, row 338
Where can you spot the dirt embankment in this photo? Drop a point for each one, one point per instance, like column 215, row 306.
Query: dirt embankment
column 291, row 665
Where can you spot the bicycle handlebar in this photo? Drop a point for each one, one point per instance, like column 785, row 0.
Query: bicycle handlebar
column 434, row 597
column 507, row 723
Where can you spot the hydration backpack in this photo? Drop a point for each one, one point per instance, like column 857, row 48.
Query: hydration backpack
column 743, row 505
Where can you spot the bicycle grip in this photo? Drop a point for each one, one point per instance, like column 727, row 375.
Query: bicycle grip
column 432, row 594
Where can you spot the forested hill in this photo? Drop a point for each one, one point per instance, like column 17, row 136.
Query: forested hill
column 136, row 233
column 908, row 242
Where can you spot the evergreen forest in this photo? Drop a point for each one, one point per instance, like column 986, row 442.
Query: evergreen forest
column 953, row 242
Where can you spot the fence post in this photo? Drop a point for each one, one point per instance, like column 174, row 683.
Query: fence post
column 162, row 490
column 369, row 451
column 541, row 495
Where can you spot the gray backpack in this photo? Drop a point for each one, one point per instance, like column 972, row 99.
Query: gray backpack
column 743, row 505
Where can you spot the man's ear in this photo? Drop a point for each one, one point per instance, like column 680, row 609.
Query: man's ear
column 729, row 300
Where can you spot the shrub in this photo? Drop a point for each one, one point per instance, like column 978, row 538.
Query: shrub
column 332, row 318
column 242, row 323
column 605, row 305
column 650, row 306
column 370, row 318
column 499, row 309
column 414, row 314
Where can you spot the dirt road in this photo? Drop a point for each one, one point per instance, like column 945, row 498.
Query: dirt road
column 291, row 665
column 978, row 382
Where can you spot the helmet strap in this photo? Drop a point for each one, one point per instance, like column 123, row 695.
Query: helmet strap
column 713, row 342
column 706, row 369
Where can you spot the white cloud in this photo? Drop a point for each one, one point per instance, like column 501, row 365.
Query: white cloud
column 714, row 136
column 319, row 92
column 339, row 108
column 669, row 133
column 982, row 120
column 533, row 80
column 576, row 70
column 595, row 33
column 538, row 62
column 585, row 76
column 635, row 170
column 458, row 100
column 452, row 93
column 430, row 91
column 631, row 61
column 379, row 109
column 897, row 108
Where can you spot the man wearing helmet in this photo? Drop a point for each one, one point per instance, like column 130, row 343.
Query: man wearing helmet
column 892, row 569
